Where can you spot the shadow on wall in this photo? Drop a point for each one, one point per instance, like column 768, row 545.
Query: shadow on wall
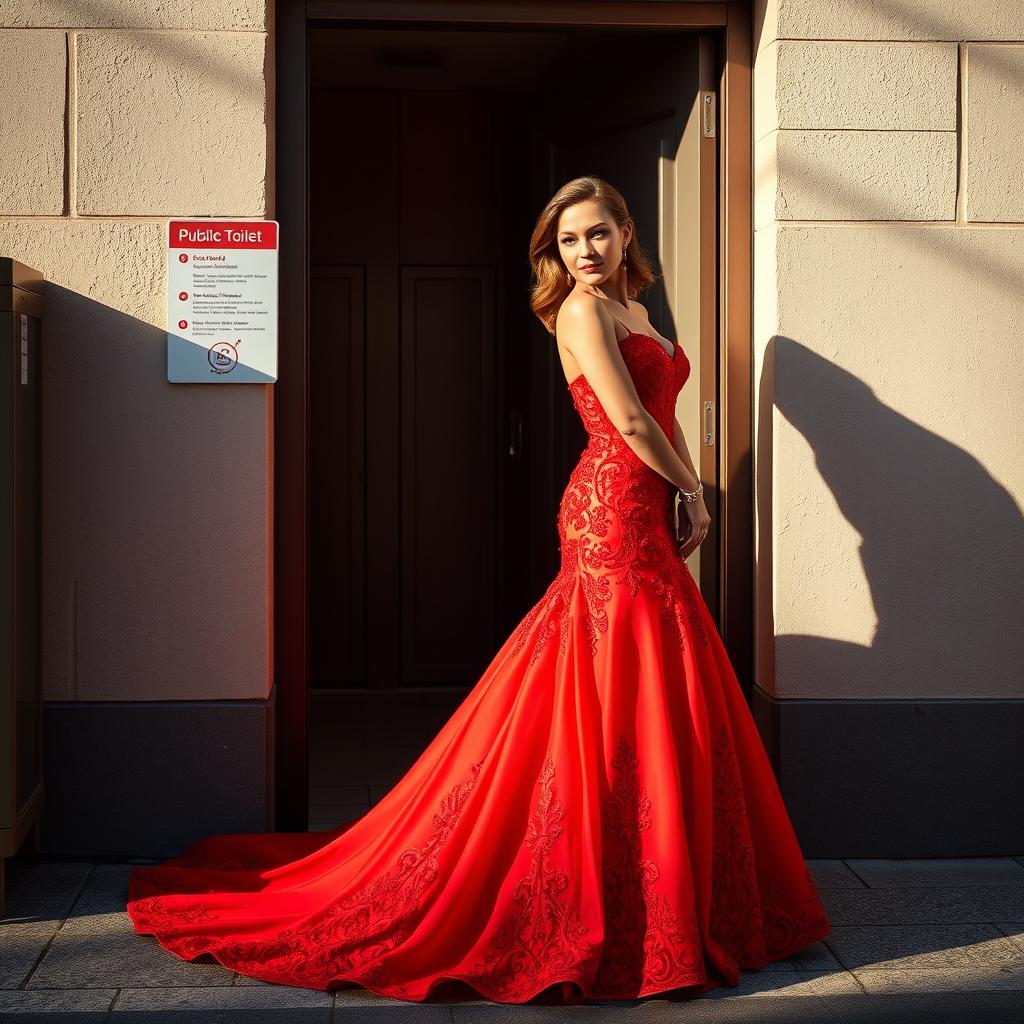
column 942, row 540
column 138, row 476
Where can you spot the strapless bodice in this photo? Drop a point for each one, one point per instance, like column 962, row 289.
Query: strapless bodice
column 616, row 516
column 657, row 377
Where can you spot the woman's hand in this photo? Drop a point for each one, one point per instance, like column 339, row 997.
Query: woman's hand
column 697, row 524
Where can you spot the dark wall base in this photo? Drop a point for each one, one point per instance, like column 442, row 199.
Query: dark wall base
column 146, row 779
column 899, row 778
column 871, row 778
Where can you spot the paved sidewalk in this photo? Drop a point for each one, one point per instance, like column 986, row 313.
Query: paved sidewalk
column 930, row 941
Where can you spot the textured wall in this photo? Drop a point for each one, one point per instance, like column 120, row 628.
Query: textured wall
column 156, row 496
column 889, row 299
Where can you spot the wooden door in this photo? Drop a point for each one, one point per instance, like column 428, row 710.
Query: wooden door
column 405, row 380
column 650, row 131
column 430, row 506
column 299, row 171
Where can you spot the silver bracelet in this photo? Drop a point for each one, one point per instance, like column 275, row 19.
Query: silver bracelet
column 692, row 495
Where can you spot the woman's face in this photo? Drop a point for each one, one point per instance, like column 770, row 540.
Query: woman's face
column 590, row 242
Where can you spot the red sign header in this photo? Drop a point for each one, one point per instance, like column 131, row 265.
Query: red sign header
column 222, row 234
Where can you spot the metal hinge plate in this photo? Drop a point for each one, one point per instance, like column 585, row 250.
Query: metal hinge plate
column 707, row 103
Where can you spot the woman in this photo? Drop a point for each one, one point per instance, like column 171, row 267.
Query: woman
column 599, row 814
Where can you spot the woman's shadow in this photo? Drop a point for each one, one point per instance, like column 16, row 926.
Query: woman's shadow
column 914, row 735
column 942, row 545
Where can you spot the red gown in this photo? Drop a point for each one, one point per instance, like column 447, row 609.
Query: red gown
column 599, row 813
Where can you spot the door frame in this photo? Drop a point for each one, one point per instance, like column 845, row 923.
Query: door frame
column 732, row 344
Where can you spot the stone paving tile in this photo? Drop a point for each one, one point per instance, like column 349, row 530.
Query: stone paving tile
column 394, row 1011
column 103, row 949
column 104, row 893
column 834, row 874
column 978, row 947
column 475, row 1011
column 772, row 1009
column 356, row 998
column 23, row 909
column 245, row 979
column 280, row 1004
column 816, row 957
column 936, row 904
column 71, row 1005
column 1013, row 929
column 799, row 983
column 28, row 925
column 787, row 966
column 999, row 979
column 108, row 879
column 922, row 1008
column 924, row 941
column 357, row 1005
column 949, row 871
column 97, row 905
column 47, row 878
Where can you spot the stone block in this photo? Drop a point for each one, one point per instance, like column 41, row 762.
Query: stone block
column 33, row 90
column 233, row 15
column 829, row 84
column 803, row 174
column 906, row 20
column 994, row 133
column 172, row 124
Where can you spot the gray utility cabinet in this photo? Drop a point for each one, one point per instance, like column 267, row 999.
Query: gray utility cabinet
column 21, row 711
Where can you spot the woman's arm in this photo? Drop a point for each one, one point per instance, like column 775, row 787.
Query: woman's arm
column 589, row 334
column 679, row 444
column 651, row 444
column 698, row 520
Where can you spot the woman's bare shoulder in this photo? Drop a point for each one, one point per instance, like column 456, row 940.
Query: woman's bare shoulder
column 578, row 308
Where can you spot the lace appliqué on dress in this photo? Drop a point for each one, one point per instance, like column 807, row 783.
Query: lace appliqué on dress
column 615, row 521
column 350, row 936
column 648, row 946
column 544, row 940
column 754, row 917
column 669, row 955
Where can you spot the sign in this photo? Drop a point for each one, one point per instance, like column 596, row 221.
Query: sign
column 222, row 301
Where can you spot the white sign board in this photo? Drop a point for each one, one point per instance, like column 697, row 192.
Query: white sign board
column 222, row 301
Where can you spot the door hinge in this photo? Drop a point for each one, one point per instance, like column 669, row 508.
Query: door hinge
column 709, row 423
column 707, row 102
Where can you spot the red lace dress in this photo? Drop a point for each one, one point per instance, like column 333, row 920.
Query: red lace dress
column 598, row 814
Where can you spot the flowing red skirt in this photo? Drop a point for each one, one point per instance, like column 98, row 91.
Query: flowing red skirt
column 600, row 818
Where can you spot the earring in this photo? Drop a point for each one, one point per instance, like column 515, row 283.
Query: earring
column 569, row 279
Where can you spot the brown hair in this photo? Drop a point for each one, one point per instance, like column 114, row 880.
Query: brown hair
column 550, row 275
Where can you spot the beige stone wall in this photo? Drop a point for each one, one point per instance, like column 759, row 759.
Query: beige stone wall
column 156, row 497
column 889, row 307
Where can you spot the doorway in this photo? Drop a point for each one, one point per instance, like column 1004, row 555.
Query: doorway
column 438, row 433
